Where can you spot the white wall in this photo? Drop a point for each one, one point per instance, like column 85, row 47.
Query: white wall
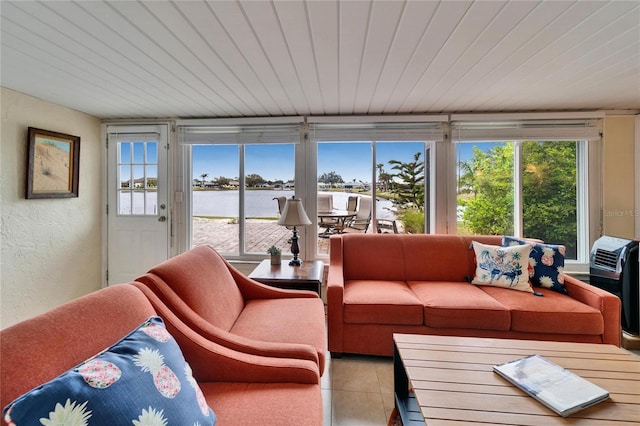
column 51, row 248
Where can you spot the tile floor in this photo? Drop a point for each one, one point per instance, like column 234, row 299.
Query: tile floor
column 357, row 390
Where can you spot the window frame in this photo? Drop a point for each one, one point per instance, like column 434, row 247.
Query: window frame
column 584, row 128
column 236, row 132
column 441, row 200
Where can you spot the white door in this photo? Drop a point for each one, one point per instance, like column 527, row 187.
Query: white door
column 138, row 209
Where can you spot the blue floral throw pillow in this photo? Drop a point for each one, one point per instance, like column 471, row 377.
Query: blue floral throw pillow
column 546, row 263
column 502, row 266
column 141, row 380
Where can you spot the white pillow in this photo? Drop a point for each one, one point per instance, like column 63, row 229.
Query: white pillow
column 502, row 266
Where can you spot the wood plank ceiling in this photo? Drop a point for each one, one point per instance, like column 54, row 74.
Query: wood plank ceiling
column 143, row 59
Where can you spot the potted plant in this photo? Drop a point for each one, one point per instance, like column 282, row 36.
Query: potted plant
column 276, row 254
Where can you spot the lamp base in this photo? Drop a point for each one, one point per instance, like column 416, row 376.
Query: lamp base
column 295, row 249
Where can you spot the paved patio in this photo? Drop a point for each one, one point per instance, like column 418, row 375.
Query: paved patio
column 222, row 234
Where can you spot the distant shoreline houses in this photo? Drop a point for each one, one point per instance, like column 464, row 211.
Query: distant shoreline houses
column 234, row 184
column 345, row 185
column 151, row 182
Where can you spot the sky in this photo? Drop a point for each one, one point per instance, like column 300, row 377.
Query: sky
column 351, row 160
column 276, row 161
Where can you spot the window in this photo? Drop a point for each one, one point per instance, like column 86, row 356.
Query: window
column 382, row 165
column 549, row 175
column 237, row 174
column 488, row 190
column 533, row 184
column 495, row 174
column 236, row 212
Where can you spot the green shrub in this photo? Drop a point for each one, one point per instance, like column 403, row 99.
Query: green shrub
column 413, row 221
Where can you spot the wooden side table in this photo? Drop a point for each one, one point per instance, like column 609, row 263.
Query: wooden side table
column 307, row 276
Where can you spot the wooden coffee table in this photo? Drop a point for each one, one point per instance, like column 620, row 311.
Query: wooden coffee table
column 307, row 276
column 441, row 380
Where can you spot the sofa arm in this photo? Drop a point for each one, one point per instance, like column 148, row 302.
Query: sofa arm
column 335, row 296
column 212, row 362
column 160, row 297
column 602, row 300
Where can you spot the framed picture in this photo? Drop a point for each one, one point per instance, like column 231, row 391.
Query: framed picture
column 54, row 163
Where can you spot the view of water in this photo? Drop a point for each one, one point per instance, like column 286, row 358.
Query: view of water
column 225, row 203
column 262, row 203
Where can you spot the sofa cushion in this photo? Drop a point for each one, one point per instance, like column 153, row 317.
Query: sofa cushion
column 284, row 321
column 502, row 266
column 142, row 377
column 552, row 313
column 201, row 278
column 460, row 305
column 437, row 257
column 373, row 257
column 265, row 404
column 546, row 263
column 381, row 302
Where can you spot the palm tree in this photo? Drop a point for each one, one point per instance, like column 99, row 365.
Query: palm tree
column 203, row 177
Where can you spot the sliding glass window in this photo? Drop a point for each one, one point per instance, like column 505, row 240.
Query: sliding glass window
column 489, row 186
column 237, row 175
column 372, row 177
column 528, row 186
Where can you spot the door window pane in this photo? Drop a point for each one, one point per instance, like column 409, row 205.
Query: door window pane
column 138, row 178
column 138, row 152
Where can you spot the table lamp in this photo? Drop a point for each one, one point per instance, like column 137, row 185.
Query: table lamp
column 294, row 215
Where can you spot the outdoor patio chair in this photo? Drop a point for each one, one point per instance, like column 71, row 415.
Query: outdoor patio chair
column 352, row 203
column 363, row 218
column 281, row 202
column 325, row 204
column 386, row 226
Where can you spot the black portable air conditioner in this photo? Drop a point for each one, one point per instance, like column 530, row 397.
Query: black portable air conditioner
column 614, row 267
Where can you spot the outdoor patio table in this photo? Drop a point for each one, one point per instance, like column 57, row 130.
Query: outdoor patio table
column 340, row 217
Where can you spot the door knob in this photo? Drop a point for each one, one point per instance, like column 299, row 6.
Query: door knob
column 162, row 219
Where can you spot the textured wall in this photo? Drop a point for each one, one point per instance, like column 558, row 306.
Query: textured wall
column 51, row 248
column 619, row 191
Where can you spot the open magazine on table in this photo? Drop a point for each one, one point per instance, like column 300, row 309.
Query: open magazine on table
column 556, row 387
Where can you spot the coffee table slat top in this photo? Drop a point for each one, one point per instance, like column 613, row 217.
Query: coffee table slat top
column 453, row 380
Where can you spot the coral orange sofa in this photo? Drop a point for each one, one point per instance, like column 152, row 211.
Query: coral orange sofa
column 382, row 284
column 224, row 306
column 241, row 388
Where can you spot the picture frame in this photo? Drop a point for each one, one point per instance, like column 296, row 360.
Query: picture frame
column 53, row 164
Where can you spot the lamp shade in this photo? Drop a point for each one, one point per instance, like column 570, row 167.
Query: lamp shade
column 293, row 214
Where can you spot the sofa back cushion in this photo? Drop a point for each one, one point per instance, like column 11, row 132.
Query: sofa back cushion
column 438, row 257
column 403, row 257
column 38, row 349
column 442, row 257
column 200, row 277
column 372, row 256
